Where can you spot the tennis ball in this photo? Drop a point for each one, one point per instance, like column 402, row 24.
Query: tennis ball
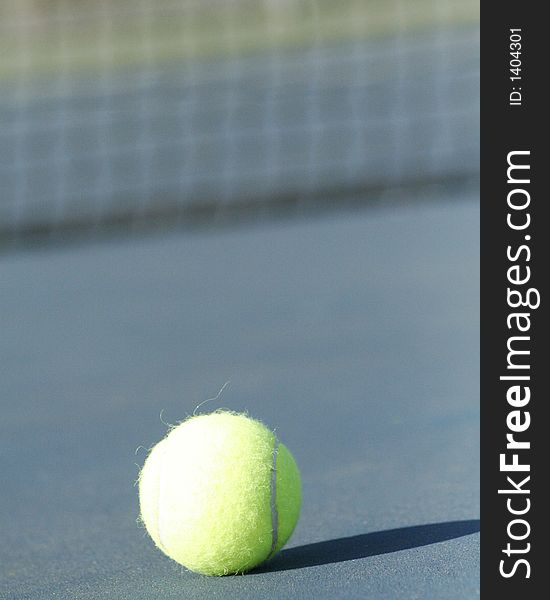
column 220, row 494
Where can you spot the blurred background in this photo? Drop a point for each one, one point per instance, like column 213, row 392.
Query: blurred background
column 125, row 113
column 278, row 193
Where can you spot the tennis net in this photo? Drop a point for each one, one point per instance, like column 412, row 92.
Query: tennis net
column 124, row 112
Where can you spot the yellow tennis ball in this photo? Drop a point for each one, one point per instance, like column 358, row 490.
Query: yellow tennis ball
column 220, row 494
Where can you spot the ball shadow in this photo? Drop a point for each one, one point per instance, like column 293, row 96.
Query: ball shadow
column 368, row 544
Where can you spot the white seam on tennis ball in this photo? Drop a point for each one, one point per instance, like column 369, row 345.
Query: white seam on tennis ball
column 274, row 514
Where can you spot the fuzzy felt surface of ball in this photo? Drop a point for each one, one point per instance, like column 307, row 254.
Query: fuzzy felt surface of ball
column 220, row 494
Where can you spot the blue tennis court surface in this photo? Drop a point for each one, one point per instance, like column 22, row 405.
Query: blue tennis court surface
column 355, row 336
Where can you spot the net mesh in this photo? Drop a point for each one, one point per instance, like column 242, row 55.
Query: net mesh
column 123, row 111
